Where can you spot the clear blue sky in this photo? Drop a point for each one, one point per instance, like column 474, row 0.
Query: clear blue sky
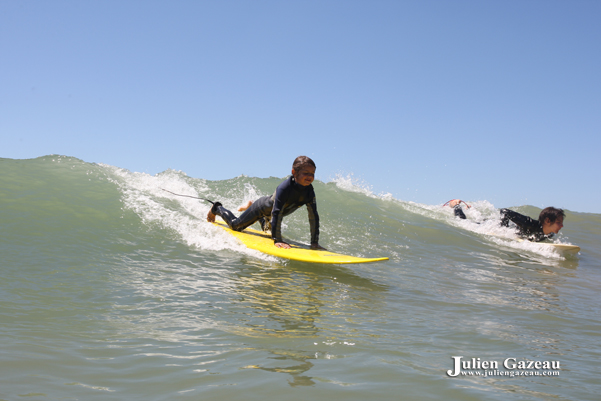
column 426, row 100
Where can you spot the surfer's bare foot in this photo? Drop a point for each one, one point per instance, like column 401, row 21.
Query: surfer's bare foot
column 210, row 217
column 243, row 208
column 318, row 247
column 282, row 245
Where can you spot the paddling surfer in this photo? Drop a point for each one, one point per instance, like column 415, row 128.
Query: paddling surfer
column 550, row 221
column 269, row 211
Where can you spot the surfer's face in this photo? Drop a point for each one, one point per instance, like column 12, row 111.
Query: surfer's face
column 554, row 227
column 304, row 176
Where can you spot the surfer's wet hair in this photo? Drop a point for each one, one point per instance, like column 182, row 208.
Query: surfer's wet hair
column 550, row 213
column 301, row 162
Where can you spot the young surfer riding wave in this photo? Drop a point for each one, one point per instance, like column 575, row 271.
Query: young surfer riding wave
column 269, row 211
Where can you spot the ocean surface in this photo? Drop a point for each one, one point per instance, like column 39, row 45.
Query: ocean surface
column 113, row 289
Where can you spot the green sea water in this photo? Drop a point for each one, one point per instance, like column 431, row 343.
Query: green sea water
column 113, row 289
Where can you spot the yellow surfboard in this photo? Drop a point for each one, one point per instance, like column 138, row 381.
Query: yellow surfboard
column 263, row 242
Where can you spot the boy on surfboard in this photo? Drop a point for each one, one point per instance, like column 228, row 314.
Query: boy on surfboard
column 550, row 221
column 290, row 195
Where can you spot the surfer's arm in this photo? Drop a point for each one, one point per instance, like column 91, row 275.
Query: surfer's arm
column 314, row 225
column 279, row 201
column 524, row 222
column 455, row 202
column 313, row 221
column 527, row 227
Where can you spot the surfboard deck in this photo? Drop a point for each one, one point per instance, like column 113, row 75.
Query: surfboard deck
column 561, row 248
column 263, row 242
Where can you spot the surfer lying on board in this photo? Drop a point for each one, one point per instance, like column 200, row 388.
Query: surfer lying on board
column 550, row 221
column 291, row 194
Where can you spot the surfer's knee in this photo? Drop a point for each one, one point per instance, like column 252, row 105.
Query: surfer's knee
column 216, row 209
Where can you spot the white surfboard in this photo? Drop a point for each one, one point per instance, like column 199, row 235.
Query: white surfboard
column 561, row 248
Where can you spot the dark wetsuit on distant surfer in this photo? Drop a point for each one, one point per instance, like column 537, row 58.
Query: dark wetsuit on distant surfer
column 459, row 212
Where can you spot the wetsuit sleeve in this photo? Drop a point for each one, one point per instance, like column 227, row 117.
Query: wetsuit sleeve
column 279, row 201
column 519, row 219
column 313, row 220
column 526, row 226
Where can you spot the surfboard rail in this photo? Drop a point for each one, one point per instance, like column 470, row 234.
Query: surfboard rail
column 263, row 242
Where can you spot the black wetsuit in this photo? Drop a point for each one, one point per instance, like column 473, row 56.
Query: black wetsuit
column 288, row 197
column 459, row 212
column 527, row 227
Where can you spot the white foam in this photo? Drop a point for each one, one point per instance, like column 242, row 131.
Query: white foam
column 352, row 184
column 144, row 194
